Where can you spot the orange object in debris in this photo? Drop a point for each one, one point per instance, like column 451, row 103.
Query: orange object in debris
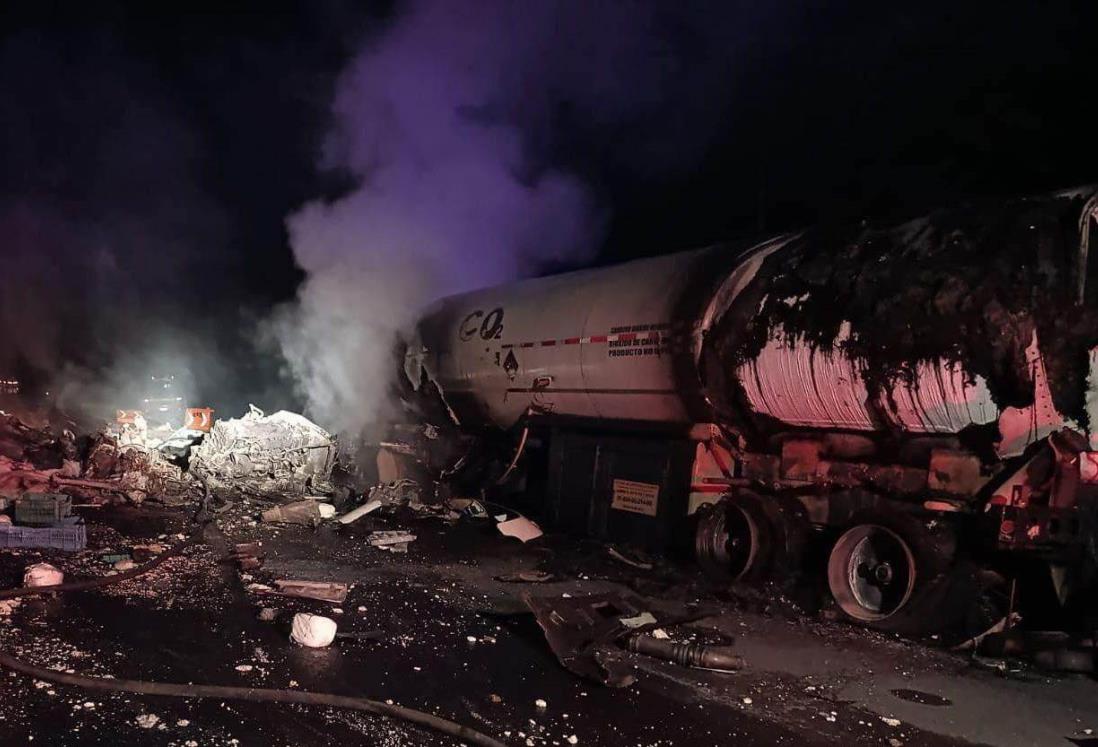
column 200, row 418
column 123, row 417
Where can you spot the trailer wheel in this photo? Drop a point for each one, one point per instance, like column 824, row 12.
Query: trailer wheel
column 888, row 571
column 872, row 572
column 734, row 540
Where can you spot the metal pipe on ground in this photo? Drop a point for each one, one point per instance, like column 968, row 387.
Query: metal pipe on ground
column 695, row 655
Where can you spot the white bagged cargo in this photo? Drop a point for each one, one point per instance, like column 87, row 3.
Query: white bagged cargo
column 42, row 574
column 314, row 631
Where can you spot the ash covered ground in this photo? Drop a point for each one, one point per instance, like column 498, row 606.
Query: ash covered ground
column 440, row 632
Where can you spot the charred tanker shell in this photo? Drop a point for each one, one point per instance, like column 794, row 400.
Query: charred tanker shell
column 933, row 326
column 911, row 392
column 972, row 287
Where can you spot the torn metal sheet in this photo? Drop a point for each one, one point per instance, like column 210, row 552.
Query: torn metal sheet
column 521, row 528
column 580, row 629
column 323, row 591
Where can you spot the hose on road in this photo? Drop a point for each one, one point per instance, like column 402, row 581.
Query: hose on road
column 255, row 695
column 258, row 695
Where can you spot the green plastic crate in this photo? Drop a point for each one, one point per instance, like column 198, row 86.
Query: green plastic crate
column 42, row 509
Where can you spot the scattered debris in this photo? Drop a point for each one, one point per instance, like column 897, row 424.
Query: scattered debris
column 520, row 528
column 403, row 492
column 580, row 630
column 248, row 556
column 974, row 642
column 527, row 577
column 308, row 512
column 268, row 614
column 619, row 556
column 148, row 720
column 1048, row 649
column 143, row 553
column 582, row 633
column 177, row 447
column 324, row 591
column 472, row 509
column 314, row 631
column 644, row 618
column 42, row 574
column 394, row 541
column 358, row 513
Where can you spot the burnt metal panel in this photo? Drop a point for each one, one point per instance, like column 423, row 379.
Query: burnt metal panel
column 583, row 468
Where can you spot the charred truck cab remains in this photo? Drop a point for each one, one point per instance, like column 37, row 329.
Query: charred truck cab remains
column 884, row 408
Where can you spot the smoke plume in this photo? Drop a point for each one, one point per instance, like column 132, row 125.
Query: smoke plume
column 104, row 228
column 452, row 123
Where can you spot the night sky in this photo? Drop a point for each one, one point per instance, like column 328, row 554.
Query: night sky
column 150, row 158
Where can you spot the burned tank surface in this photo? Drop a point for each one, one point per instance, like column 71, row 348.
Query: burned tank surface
column 939, row 324
column 870, row 381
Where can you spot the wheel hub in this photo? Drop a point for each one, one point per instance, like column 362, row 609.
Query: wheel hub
column 871, row 572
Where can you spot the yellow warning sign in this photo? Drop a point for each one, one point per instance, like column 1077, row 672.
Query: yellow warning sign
column 638, row 497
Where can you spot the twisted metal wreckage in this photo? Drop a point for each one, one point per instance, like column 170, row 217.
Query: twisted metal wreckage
column 275, row 457
column 905, row 413
column 914, row 404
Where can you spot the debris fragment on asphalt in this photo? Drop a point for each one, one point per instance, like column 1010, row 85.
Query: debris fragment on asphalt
column 638, row 621
column 307, row 512
column 527, row 577
column 394, row 541
column 358, row 513
column 324, row 591
column 521, row 528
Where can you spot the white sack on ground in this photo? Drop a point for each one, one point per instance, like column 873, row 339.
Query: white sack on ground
column 42, row 574
column 314, row 631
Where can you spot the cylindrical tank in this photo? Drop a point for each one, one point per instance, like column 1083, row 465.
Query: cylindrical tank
column 927, row 327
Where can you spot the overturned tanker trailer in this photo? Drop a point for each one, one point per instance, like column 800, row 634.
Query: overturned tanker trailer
column 881, row 406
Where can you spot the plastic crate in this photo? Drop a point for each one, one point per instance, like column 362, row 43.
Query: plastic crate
column 42, row 509
column 70, row 535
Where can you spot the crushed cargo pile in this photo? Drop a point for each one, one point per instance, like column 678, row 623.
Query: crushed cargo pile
column 279, row 456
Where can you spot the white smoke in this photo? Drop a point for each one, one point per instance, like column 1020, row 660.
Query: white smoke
column 443, row 205
column 447, row 122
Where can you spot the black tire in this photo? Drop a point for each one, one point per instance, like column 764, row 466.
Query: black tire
column 752, row 539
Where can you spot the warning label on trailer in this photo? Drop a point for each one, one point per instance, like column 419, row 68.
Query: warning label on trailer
column 638, row 497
